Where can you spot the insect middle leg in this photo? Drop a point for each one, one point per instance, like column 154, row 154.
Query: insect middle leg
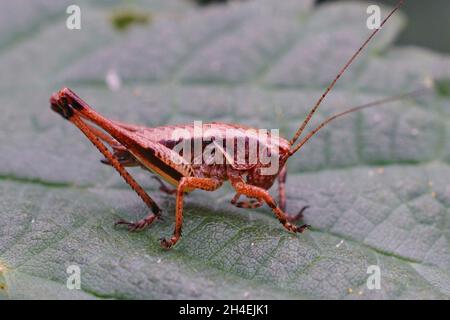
column 185, row 184
column 282, row 196
column 252, row 191
column 163, row 187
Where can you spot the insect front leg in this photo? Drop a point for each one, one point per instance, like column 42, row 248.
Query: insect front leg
column 282, row 196
column 252, row 191
column 246, row 204
column 185, row 184
column 282, row 187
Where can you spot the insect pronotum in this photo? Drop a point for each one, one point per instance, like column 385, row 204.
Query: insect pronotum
column 154, row 149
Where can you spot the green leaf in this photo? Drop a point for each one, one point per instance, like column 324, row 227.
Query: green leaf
column 377, row 182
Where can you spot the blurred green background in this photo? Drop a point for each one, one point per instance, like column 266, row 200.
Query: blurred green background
column 427, row 20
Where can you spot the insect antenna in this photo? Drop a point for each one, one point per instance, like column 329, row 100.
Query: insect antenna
column 349, row 62
column 354, row 109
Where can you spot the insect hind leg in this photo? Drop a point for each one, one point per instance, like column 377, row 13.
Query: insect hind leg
column 141, row 224
column 156, row 211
